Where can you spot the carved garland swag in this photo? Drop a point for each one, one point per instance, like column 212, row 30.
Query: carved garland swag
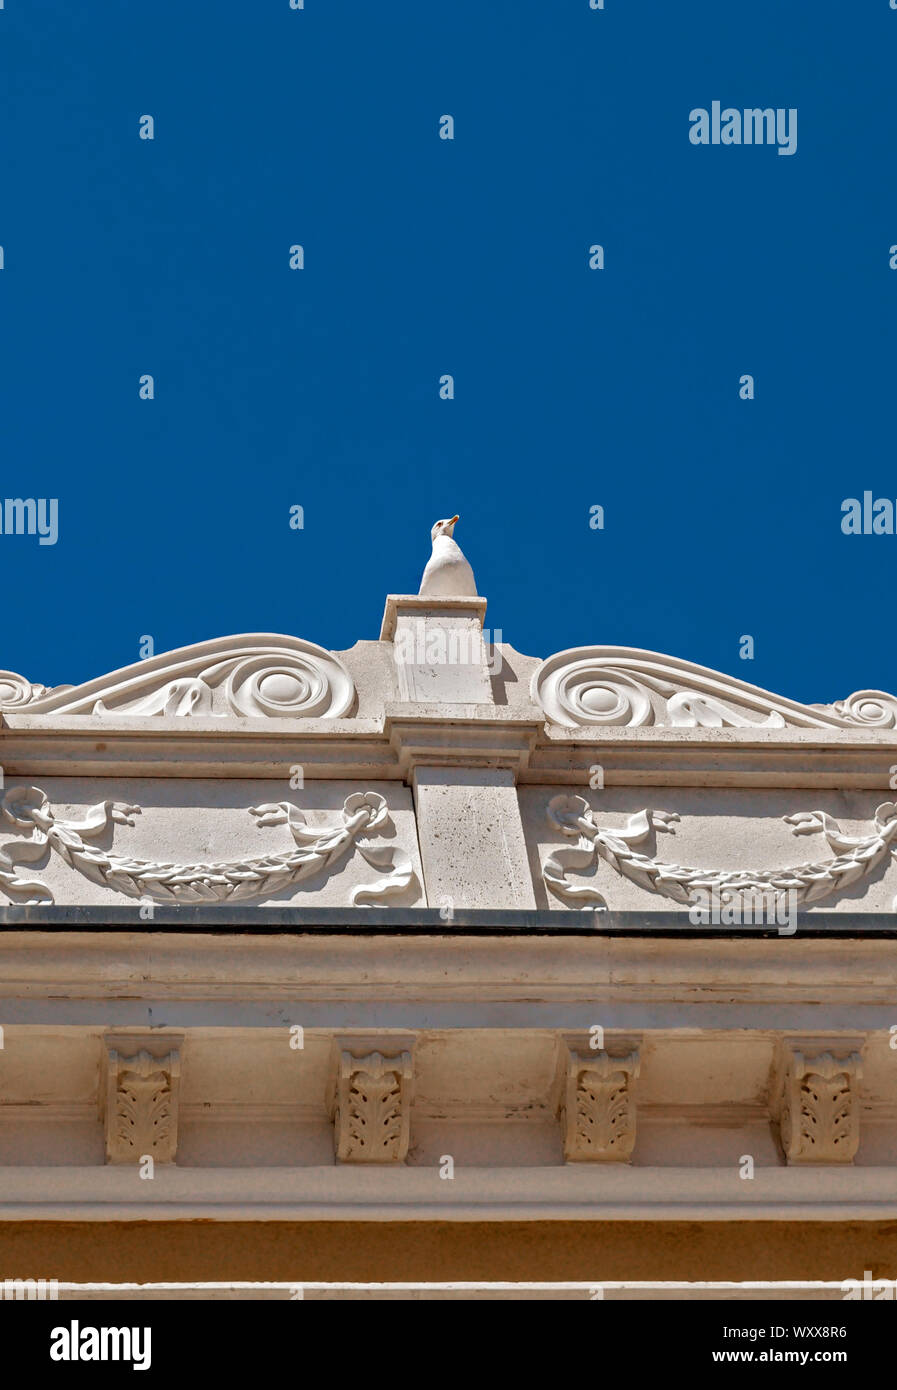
column 315, row 849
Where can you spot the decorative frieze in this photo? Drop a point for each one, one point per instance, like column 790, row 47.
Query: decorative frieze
column 599, row 1107
column 819, row 1107
column 236, row 880
column 139, row 1102
column 855, row 857
column 372, row 1108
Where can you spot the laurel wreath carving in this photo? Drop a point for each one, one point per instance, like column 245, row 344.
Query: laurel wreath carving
column 855, row 856
column 234, row 880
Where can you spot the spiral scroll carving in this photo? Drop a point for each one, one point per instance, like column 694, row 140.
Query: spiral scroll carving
column 16, row 691
column 623, row 687
column 254, row 677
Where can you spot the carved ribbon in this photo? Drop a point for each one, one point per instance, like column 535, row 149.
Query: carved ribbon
column 234, row 880
column 855, row 857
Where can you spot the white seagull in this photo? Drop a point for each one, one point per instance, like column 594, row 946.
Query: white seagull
column 447, row 571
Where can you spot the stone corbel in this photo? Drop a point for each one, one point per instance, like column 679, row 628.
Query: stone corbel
column 370, row 1104
column 818, row 1102
column 138, row 1096
column 598, row 1109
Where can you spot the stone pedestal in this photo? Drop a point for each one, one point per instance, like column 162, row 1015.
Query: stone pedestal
column 438, row 648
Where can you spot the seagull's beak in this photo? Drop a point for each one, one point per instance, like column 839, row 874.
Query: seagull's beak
column 453, row 520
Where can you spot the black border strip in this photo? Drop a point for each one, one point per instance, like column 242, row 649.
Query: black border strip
column 244, row 920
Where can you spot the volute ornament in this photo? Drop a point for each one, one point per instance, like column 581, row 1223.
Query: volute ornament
column 624, row 687
column 252, row 676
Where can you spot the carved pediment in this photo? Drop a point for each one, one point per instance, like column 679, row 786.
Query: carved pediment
column 254, row 675
column 617, row 687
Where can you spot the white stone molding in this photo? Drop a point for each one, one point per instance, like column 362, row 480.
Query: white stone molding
column 347, row 1192
column 139, row 1098
column 599, row 1106
column 256, row 675
column 529, row 982
column 418, row 605
column 819, row 1113
column 614, row 687
column 315, row 849
column 372, row 1108
column 855, row 857
column 16, row 691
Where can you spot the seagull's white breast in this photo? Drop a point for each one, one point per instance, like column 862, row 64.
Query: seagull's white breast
column 447, row 571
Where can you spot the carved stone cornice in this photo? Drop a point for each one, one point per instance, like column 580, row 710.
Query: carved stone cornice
column 371, row 1107
column 818, row 1103
column 598, row 1111
column 342, row 1192
column 138, row 1095
column 462, row 736
column 240, row 706
column 411, row 604
column 750, row 758
column 387, row 746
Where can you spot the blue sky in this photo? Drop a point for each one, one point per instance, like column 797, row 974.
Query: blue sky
column 423, row 256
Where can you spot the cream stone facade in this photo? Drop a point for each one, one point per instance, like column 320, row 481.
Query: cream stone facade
column 381, row 965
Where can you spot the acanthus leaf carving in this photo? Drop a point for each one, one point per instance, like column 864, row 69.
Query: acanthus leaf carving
column 140, row 1106
column 372, row 1108
column 855, row 857
column 625, row 687
column 819, row 1107
column 315, row 849
column 600, row 1113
